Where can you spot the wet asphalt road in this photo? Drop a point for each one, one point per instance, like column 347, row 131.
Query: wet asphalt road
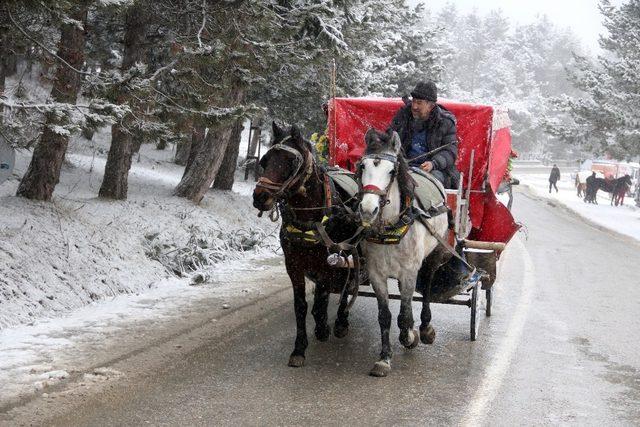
column 562, row 347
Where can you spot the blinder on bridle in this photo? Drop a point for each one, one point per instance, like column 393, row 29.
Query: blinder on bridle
column 296, row 175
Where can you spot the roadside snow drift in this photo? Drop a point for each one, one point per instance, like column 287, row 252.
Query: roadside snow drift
column 79, row 249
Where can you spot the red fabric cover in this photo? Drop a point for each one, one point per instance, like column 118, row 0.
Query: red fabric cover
column 350, row 118
column 499, row 159
column 497, row 225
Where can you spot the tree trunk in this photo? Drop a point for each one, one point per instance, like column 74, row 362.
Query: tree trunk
column 43, row 173
column 3, row 76
column 197, row 139
column 116, row 173
column 255, row 137
column 4, row 54
column 226, row 173
column 183, row 146
column 199, row 175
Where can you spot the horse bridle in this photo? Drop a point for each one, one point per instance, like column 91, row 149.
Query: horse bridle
column 302, row 171
column 372, row 189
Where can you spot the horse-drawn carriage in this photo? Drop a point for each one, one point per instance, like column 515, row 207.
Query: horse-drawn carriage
column 484, row 149
column 325, row 213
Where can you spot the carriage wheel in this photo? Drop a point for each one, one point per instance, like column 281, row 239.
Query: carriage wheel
column 489, row 300
column 474, row 311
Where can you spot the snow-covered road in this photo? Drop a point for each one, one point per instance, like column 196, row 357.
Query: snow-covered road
column 560, row 348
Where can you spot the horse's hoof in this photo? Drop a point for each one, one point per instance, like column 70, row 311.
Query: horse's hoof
column 427, row 335
column 296, row 361
column 380, row 369
column 410, row 340
column 340, row 331
column 323, row 333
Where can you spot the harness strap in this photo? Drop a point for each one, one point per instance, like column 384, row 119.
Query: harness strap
column 268, row 184
column 422, row 217
column 341, row 246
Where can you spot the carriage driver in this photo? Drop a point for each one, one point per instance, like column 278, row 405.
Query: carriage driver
column 425, row 126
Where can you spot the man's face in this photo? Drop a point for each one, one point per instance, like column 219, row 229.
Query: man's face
column 421, row 108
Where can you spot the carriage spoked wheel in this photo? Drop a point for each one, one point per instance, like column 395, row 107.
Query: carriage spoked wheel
column 487, row 309
column 474, row 311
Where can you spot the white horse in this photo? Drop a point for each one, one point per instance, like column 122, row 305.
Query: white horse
column 384, row 179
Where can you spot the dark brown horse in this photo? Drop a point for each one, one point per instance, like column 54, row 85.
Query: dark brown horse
column 621, row 187
column 295, row 185
column 617, row 187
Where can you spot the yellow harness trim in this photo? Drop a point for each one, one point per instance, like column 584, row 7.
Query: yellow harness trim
column 308, row 236
column 390, row 236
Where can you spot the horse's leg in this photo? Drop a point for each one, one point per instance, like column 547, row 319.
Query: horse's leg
column 408, row 336
column 383, row 366
column 427, row 333
column 510, row 193
column 341, row 327
column 300, row 304
column 319, row 311
column 428, row 270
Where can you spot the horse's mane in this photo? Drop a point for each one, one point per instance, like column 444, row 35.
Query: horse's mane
column 379, row 142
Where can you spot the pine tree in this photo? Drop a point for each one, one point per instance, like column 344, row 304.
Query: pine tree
column 607, row 119
column 115, row 181
column 43, row 173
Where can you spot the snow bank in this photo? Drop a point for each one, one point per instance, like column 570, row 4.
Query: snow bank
column 622, row 219
column 79, row 249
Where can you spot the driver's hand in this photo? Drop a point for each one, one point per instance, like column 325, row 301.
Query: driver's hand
column 427, row 166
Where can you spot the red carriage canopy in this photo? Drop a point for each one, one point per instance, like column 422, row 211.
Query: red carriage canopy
column 482, row 130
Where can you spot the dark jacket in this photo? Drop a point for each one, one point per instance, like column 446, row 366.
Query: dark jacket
column 441, row 130
column 555, row 174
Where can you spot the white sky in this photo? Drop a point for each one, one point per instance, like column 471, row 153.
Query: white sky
column 582, row 16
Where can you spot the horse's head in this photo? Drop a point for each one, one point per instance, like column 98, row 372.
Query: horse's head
column 376, row 172
column 627, row 180
column 286, row 167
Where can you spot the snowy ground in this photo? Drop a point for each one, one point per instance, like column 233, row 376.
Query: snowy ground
column 622, row 219
column 77, row 274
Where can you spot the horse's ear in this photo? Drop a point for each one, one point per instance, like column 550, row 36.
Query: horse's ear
column 371, row 136
column 295, row 133
column 277, row 131
column 396, row 144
